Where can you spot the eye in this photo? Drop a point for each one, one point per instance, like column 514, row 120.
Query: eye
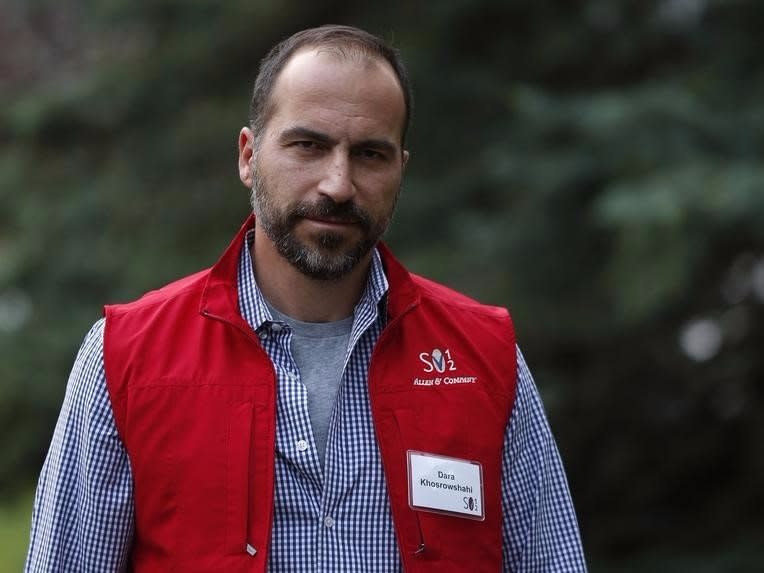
column 371, row 153
column 307, row 147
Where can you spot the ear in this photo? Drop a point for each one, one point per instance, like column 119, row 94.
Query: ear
column 246, row 155
column 405, row 158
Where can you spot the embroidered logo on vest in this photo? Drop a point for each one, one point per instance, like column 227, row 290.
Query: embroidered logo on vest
column 440, row 362
column 437, row 361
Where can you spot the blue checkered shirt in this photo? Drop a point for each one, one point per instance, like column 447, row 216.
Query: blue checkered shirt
column 332, row 519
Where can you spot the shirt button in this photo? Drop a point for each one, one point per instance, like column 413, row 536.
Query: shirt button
column 302, row 445
column 292, row 375
column 263, row 334
column 276, row 327
column 329, row 521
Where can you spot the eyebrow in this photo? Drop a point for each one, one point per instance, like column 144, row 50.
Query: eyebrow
column 305, row 133
column 299, row 132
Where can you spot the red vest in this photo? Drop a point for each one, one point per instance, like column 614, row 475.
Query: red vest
column 194, row 400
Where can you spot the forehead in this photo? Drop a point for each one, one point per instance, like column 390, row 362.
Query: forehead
column 342, row 90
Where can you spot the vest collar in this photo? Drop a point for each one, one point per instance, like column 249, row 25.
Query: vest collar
column 220, row 295
column 403, row 293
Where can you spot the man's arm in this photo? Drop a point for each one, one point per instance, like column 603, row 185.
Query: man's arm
column 540, row 531
column 83, row 511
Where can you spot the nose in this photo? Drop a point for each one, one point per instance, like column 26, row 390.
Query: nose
column 337, row 181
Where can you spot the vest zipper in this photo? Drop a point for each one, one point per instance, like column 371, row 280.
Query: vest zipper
column 252, row 336
column 421, row 547
column 420, row 550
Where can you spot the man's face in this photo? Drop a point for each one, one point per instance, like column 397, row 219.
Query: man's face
column 327, row 171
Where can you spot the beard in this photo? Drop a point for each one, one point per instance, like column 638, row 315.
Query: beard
column 330, row 255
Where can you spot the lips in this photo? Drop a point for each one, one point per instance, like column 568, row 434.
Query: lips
column 327, row 212
column 332, row 221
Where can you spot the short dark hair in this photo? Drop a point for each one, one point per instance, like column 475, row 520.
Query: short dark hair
column 329, row 36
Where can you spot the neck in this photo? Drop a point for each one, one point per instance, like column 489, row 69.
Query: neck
column 299, row 296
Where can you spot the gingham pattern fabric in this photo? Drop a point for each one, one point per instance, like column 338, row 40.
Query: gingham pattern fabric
column 335, row 519
column 83, row 509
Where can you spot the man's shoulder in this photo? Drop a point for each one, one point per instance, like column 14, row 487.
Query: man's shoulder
column 441, row 294
column 190, row 285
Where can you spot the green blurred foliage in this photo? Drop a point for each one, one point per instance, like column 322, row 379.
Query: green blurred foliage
column 15, row 516
column 595, row 165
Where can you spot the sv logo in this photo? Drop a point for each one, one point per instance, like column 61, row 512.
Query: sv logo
column 437, row 361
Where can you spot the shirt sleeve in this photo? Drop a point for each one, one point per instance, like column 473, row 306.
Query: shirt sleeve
column 83, row 509
column 540, row 531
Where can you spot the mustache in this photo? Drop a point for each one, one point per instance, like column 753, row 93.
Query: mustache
column 325, row 208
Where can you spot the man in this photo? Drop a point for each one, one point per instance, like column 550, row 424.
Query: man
column 307, row 404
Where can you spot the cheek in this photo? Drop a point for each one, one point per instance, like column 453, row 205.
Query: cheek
column 380, row 206
column 383, row 181
column 287, row 184
column 386, row 190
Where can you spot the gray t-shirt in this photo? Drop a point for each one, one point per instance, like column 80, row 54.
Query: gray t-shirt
column 319, row 350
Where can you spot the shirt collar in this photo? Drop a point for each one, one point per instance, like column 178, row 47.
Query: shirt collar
column 255, row 311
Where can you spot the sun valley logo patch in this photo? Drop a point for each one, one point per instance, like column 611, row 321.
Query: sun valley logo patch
column 440, row 362
column 437, row 361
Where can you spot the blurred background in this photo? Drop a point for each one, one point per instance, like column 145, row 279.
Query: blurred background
column 594, row 165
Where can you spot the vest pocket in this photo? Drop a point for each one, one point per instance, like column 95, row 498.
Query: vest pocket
column 238, row 478
column 461, row 425
column 407, row 524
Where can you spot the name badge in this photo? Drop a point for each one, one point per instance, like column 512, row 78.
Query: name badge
column 445, row 485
